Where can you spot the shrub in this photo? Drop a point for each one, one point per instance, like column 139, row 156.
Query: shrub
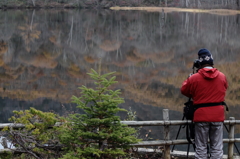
column 36, row 139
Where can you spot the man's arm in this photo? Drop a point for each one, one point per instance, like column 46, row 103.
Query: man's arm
column 185, row 89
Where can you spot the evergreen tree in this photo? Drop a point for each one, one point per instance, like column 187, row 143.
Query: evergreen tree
column 98, row 132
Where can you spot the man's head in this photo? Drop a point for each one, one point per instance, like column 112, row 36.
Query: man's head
column 205, row 57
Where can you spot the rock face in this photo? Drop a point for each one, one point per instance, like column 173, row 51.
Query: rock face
column 231, row 4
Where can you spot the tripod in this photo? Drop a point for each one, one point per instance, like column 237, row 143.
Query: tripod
column 189, row 136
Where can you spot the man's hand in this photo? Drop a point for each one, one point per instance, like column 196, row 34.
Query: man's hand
column 190, row 75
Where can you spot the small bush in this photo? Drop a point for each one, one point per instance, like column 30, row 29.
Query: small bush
column 36, row 139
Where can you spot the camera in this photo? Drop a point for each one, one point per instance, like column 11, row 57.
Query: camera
column 196, row 63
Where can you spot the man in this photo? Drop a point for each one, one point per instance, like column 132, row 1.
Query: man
column 207, row 87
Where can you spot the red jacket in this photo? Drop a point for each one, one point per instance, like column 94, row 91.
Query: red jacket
column 206, row 86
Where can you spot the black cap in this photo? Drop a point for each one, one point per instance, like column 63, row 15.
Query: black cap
column 205, row 57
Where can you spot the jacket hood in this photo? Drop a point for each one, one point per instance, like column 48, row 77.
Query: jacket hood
column 209, row 73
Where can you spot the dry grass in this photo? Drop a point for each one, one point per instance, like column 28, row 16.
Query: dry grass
column 172, row 9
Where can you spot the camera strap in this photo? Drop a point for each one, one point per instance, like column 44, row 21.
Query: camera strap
column 210, row 105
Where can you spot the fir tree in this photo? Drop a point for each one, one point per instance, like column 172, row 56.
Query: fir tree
column 98, row 133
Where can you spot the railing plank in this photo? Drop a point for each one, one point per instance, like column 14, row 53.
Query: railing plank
column 170, row 122
column 161, row 142
column 2, row 125
column 155, row 122
column 135, row 123
column 175, row 142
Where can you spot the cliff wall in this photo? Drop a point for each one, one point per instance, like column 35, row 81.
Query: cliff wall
column 206, row 4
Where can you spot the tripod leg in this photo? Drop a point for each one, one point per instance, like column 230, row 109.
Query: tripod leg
column 177, row 134
column 188, row 150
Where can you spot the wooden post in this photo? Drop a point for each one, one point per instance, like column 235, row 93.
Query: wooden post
column 231, row 137
column 166, row 134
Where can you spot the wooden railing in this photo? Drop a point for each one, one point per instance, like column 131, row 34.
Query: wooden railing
column 166, row 142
